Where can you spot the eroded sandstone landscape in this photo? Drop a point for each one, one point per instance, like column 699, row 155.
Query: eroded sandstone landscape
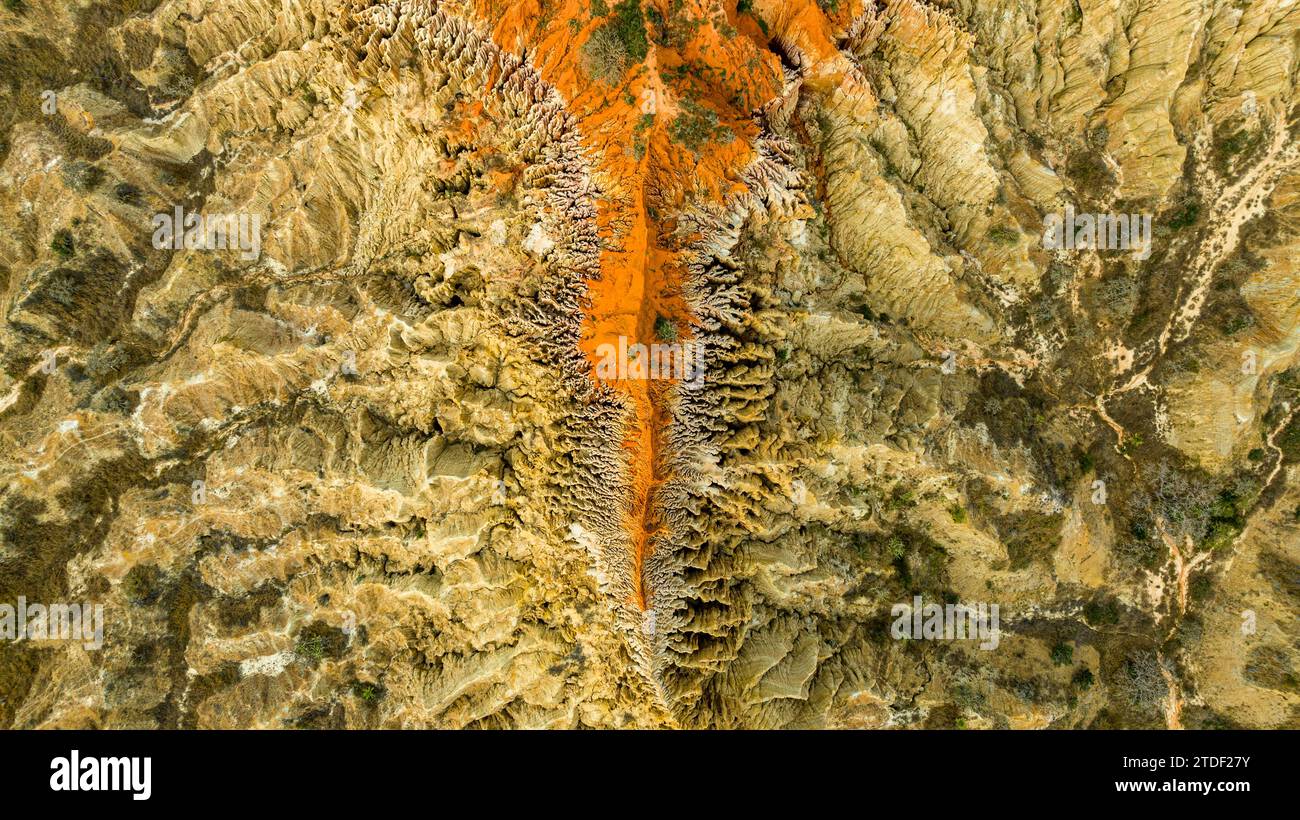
column 397, row 451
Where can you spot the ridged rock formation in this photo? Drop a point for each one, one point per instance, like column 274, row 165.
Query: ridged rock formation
column 373, row 469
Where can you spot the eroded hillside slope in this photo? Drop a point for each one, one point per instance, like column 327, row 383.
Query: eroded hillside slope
column 377, row 471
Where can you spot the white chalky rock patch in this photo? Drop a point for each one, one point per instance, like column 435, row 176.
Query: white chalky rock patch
column 538, row 242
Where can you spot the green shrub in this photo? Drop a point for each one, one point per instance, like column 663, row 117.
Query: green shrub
column 1289, row 440
column 370, row 693
column 617, row 44
column 142, row 584
column 1239, row 143
column 1221, row 535
column 628, row 25
column 90, row 178
column 902, row 498
column 1185, row 216
column 896, row 548
column 1131, row 444
column 1237, row 322
column 312, row 647
column 1201, row 586
column 127, row 193
column 62, row 243
column 1101, row 612
column 665, row 329
column 697, row 125
column 318, row 640
column 1003, row 235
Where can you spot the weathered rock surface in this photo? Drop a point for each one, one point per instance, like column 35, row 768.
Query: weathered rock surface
column 365, row 474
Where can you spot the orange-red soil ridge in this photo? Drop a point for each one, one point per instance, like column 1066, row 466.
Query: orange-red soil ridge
column 700, row 56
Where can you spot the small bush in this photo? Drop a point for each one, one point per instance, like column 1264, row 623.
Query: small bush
column 1237, row 144
column 1141, row 682
column 62, row 243
column 1119, row 294
column 1091, row 171
column 603, row 56
column 1131, row 444
column 665, row 329
column 1003, row 235
column 1186, row 502
column 1237, row 322
column 369, row 693
column 1201, row 587
column 1139, row 551
column 1030, row 537
column 1289, row 441
column 319, row 640
column 1101, row 612
column 902, row 498
column 618, row 43
column 127, row 193
column 312, row 648
column 90, row 178
column 1062, row 654
column 1221, row 536
column 142, row 584
column 697, row 125
column 1186, row 216
column 896, row 548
